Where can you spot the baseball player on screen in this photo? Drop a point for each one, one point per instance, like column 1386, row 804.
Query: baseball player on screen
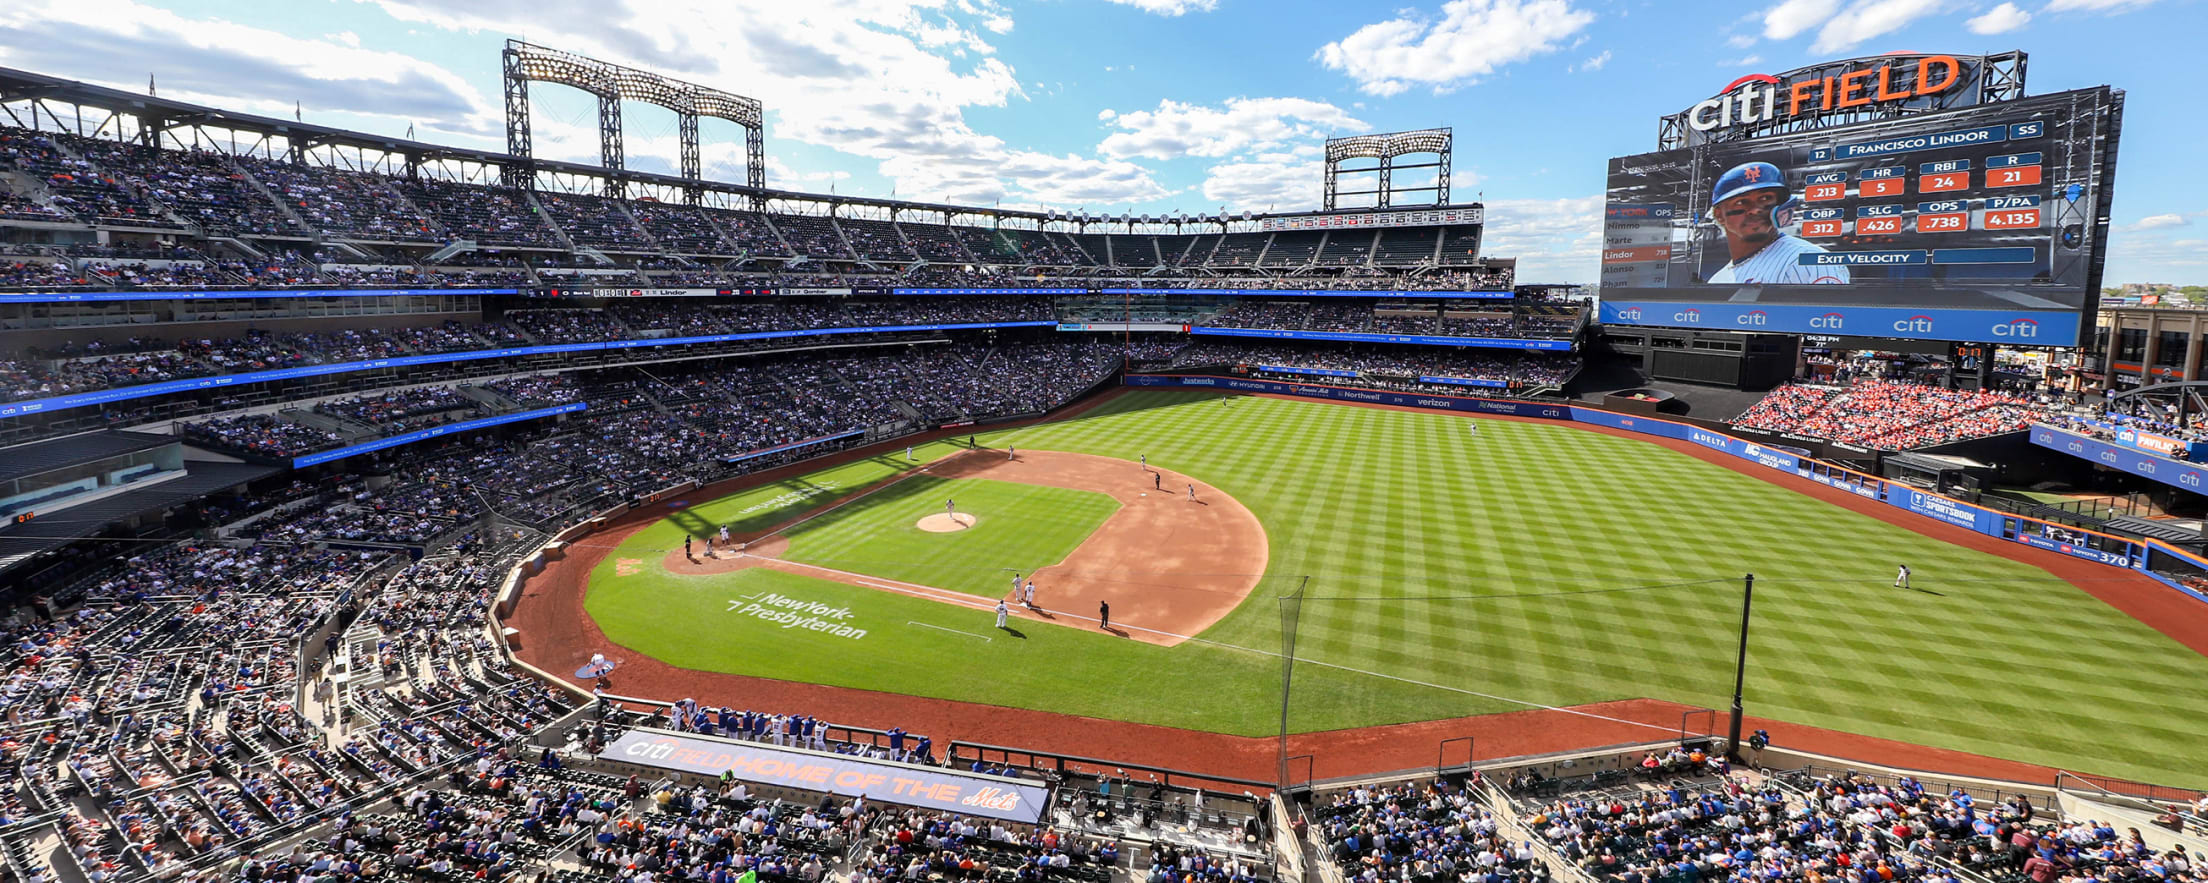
column 1750, row 203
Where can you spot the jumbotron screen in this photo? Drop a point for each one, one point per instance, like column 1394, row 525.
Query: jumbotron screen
column 1984, row 223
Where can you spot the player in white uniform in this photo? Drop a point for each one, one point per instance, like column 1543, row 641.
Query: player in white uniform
column 1747, row 204
column 1002, row 610
column 1028, row 596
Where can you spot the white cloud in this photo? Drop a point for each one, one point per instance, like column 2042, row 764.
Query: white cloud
column 2156, row 222
column 1554, row 240
column 1999, row 20
column 1175, row 130
column 1593, row 64
column 1742, row 61
column 1741, row 41
column 1170, row 7
column 236, row 66
column 2095, row 5
column 1792, row 17
column 882, row 80
column 1867, row 19
column 1262, row 185
column 1470, row 39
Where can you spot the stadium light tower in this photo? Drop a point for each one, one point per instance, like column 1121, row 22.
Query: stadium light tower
column 1385, row 148
column 524, row 63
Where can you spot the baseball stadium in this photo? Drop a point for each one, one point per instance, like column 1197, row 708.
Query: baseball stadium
column 394, row 509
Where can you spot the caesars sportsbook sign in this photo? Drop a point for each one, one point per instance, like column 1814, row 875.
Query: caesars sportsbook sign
column 973, row 795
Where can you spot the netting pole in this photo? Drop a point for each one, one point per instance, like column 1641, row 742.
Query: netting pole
column 1740, row 668
column 1291, row 608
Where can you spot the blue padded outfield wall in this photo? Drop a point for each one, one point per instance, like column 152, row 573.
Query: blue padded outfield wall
column 2123, row 553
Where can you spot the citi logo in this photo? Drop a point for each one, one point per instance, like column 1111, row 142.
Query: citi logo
column 2108, row 456
column 2146, row 467
column 1687, row 316
column 2077, row 447
column 1917, row 324
column 2190, row 479
column 1752, row 317
column 1630, row 313
column 2017, row 328
column 1828, row 320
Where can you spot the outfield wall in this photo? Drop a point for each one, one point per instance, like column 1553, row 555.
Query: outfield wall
column 2099, row 548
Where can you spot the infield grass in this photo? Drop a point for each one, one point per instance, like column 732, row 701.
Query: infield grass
column 1453, row 571
column 1018, row 528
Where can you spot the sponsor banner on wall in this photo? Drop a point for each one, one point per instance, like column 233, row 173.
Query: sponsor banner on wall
column 1941, row 508
column 54, row 297
column 1506, row 343
column 168, row 387
column 2184, row 476
column 433, row 432
column 2075, row 550
column 927, row 788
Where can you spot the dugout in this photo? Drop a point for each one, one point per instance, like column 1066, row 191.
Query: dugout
column 1941, row 473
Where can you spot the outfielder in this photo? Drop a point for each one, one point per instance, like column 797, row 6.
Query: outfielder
column 1750, row 203
column 1901, row 580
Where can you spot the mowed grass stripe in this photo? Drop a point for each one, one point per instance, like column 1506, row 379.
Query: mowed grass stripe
column 1519, row 527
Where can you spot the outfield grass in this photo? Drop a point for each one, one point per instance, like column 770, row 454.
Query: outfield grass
column 1527, row 563
column 1019, row 527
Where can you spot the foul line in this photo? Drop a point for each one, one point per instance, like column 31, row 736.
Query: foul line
column 952, row 631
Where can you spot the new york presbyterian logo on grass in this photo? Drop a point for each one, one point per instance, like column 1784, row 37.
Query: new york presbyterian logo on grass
column 796, row 613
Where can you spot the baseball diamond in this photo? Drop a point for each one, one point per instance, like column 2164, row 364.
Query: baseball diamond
column 1444, row 573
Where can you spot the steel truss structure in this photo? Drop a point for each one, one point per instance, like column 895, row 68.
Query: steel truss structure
column 524, row 63
column 1385, row 147
column 33, row 100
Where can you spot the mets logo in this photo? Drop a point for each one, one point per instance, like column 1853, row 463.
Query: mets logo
column 2017, row 328
column 1753, row 173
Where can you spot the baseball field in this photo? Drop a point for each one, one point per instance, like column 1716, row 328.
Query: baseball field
column 1446, row 565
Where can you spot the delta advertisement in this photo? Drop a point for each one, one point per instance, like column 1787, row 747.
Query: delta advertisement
column 1946, row 510
column 990, row 796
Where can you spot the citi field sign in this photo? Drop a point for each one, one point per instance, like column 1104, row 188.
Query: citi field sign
column 1812, row 92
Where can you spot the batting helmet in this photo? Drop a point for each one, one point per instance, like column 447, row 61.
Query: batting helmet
column 1752, row 176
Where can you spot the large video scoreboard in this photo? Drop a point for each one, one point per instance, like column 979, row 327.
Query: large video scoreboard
column 1981, row 223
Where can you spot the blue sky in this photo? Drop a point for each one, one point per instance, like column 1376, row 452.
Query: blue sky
column 1145, row 105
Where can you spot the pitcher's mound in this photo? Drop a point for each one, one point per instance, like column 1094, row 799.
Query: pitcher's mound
column 946, row 523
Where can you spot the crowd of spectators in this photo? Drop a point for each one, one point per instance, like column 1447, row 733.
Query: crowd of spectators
column 1395, row 368
column 1430, row 831
column 1889, row 415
